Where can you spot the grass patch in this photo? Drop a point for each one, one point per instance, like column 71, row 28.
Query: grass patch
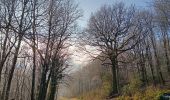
column 150, row 93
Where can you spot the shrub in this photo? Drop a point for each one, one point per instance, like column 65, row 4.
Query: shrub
column 150, row 93
column 132, row 87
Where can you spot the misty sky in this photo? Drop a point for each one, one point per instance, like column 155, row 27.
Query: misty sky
column 89, row 6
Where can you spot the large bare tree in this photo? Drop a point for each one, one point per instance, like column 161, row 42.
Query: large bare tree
column 113, row 30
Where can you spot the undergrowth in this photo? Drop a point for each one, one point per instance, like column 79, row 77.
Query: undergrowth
column 132, row 91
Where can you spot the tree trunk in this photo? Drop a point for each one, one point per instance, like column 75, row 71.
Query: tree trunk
column 13, row 68
column 149, row 56
column 33, row 76
column 114, row 77
column 41, row 95
column 158, row 69
column 53, row 87
column 43, row 84
column 5, row 82
column 4, row 56
column 143, row 69
column 34, row 51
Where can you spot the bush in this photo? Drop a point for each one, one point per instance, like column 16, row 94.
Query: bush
column 134, row 91
column 132, row 87
column 150, row 93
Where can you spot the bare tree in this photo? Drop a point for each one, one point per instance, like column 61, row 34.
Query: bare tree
column 61, row 17
column 20, row 26
column 113, row 30
column 7, row 14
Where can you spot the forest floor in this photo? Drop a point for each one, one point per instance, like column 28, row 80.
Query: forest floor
column 64, row 98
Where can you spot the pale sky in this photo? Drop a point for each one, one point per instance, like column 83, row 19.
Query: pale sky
column 89, row 6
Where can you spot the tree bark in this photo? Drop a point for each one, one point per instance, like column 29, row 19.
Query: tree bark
column 34, row 51
column 43, row 84
column 53, row 87
column 114, row 77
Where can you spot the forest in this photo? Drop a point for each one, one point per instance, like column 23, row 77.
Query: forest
column 127, row 51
